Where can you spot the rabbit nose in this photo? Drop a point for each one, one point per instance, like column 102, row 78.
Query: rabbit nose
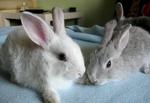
column 80, row 74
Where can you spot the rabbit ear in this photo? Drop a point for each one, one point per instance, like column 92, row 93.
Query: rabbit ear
column 58, row 20
column 109, row 29
column 123, row 41
column 119, row 11
column 37, row 29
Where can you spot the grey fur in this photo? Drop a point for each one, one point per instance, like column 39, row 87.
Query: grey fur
column 131, row 56
column 34, row 62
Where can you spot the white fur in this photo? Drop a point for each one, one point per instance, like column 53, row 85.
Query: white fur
column 30, row 55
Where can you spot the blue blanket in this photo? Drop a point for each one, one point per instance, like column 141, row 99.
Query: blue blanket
column 77, row 34
column 134, row 89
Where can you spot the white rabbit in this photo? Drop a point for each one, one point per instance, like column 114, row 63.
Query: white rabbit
column 40, row 58
column 125, row 52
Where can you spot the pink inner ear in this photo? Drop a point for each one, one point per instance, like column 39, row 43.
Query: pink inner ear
column 40, row 34
column 36, row 29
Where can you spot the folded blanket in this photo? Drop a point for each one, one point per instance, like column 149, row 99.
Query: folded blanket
column 82, row 35
column 95, row 30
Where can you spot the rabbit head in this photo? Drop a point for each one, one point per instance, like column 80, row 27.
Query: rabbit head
column 106, row 62
column 63, row 55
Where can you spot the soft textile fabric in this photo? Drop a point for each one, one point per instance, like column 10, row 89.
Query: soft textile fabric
column 84, row 36
column 135, row 89
column 76, row 32
column 95, row 30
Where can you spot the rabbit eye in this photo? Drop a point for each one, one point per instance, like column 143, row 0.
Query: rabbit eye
column 108, row 64
column 62, row 57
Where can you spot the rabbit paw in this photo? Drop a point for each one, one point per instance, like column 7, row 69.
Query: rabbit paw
column 51, row 101
column 51, row 96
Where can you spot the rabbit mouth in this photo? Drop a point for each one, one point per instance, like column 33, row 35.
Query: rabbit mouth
column 91, row 80
column 72, row 74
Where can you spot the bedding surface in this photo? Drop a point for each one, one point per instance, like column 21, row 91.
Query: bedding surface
column 134, row 89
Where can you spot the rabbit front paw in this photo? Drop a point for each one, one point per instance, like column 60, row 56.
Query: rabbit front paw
column 51, row 101
column 51, row 97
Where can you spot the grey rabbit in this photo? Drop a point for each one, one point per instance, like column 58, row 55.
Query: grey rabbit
column 125, row 49
column 42, row 58
column 125, row 52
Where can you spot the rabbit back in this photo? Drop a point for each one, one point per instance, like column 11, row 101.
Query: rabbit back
column 21, row 57
column 143, row 22
column 137, row 52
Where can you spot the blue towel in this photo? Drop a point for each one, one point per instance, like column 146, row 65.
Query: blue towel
column 92, row 34
column 95, row 30
column 77, row 35
column 84, row 36
column 4, row 32
column 134, row 89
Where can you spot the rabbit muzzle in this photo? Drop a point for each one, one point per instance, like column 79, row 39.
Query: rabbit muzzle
column 74, row 73
column 91, row 79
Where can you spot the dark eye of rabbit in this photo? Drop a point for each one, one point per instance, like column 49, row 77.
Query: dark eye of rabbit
column 62, row 57
column 108, row 64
